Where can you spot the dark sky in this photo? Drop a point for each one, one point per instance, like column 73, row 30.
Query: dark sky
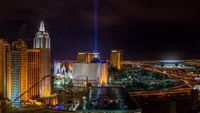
column 143, row 29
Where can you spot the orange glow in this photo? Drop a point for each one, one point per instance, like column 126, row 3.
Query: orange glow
column 55, row 101
column 33, row 72
column 38, row 103
column 118, row 61
column 116, row 58
column 104, row 75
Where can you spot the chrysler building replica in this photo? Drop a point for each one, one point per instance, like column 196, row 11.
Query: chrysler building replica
column 42, row 42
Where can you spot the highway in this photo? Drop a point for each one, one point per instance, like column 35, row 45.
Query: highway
column 187, row 80
column 181, row 89
column 161, row 93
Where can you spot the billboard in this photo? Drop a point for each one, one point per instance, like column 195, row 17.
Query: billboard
column 62, row 74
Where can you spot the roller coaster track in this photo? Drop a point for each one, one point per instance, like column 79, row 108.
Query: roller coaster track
column 43, row 78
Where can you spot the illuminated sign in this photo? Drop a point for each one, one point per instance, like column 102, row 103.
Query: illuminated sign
column 62, row 74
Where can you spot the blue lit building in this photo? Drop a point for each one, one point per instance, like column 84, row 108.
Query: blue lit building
column 15, row 76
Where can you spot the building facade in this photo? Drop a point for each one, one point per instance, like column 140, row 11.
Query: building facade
column 93, row 73
column 33, row 73
column 21, row 46
column 5, row 68
column 42, row 42
column 86, row 57
column 15, row 77
column 82, row 57
column 19, row 72
column 116, row 58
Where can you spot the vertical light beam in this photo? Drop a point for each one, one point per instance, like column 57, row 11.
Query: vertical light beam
column 95, row 35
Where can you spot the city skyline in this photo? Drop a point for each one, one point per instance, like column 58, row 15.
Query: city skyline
column 99, row 56
column 140, row 30
column 22, row 67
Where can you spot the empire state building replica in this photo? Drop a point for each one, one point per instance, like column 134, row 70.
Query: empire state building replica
column 42, row 42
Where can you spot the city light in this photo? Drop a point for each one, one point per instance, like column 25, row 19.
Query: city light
column 99, row 56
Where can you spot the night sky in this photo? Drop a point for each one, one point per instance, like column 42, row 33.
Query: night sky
column 143, row 29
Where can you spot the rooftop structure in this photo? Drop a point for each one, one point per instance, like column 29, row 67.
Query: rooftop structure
column 172, row 64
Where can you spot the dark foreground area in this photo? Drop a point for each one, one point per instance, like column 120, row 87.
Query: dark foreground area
column 171, row 104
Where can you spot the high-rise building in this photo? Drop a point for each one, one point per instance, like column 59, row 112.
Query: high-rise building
column 15, row 77
column 115, row 58
column 42, row 42
column 19, row 72
column 93, row 55
column 86, row 57
column 33, row 72
column 5, row 69
column 82, row 57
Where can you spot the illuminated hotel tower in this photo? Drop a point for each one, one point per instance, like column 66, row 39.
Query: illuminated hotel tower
column 86, row 57
column 33, row 72
column 15, row 77
column 82, row 57
column 5, row 69
column 19, row 72
column 116, row 58
column 42, row 42
column 93, row 55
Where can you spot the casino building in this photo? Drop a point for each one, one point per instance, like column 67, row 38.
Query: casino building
column 86, row 57
column 94, row 72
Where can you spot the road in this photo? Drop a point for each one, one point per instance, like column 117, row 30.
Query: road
column 181, row 89
column 161, row 93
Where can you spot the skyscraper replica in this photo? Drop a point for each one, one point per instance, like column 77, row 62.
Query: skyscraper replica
column 115, row 58
column 42, row 42
column 5, row 69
